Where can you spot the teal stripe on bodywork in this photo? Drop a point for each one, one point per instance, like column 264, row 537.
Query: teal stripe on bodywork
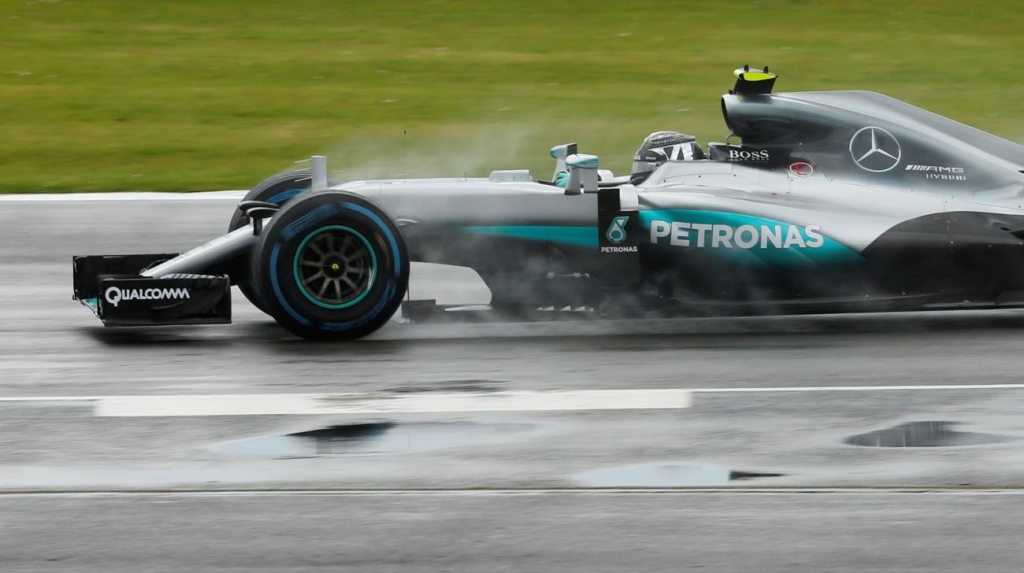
column 574, row 236
column 830, row 252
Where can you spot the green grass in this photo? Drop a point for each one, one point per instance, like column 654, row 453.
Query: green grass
column 215, row 94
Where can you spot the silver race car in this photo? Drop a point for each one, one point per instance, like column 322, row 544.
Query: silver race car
column 817, row 202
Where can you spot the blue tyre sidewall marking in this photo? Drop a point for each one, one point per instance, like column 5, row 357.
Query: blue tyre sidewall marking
column 313, row 217
column 389, row 292
column 285, row 195
column 277, row 288
column 373, row 269
column 387, row 232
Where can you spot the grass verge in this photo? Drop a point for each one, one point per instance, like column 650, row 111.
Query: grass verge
column 193, row 95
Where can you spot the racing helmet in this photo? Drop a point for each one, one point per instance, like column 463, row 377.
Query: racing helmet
column 660, row 147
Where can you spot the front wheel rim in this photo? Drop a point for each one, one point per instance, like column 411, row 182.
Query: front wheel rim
column 335, row 267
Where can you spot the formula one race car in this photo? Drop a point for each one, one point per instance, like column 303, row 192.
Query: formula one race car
column 830, row 202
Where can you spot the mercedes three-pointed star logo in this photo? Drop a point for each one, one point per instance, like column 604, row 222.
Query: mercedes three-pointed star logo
column 875, row 149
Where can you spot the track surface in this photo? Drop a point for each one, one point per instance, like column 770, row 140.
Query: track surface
column 562, row 533
column 50, row 348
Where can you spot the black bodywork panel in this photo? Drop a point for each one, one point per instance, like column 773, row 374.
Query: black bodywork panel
column 113, row 288
column 88, row 270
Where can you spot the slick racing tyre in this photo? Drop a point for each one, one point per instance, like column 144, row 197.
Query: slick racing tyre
column 277, row 189
column 331, row 266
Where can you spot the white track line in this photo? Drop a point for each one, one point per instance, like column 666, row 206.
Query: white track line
column 125, row 196
column 312, row 404
column 390, row 403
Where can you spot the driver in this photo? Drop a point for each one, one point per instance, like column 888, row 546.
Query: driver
column 659, row 147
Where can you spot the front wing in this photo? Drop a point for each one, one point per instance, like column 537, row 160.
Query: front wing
column 113, row 287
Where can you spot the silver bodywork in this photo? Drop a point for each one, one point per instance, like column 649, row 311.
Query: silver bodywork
column 851, row 207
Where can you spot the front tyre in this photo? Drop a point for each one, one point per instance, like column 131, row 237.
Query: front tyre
column 331, row 266
column 277, row 189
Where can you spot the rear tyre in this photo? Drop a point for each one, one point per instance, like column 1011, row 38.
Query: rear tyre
column 278, row 189
column 331, row 266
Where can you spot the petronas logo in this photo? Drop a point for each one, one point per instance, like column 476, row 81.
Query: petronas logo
column 616, row 233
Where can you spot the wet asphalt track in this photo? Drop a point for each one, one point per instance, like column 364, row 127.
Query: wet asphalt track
column 535, row 513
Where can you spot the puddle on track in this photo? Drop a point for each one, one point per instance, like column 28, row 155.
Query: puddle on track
column 378, row 438
column 665, row 475
column 923, row 435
